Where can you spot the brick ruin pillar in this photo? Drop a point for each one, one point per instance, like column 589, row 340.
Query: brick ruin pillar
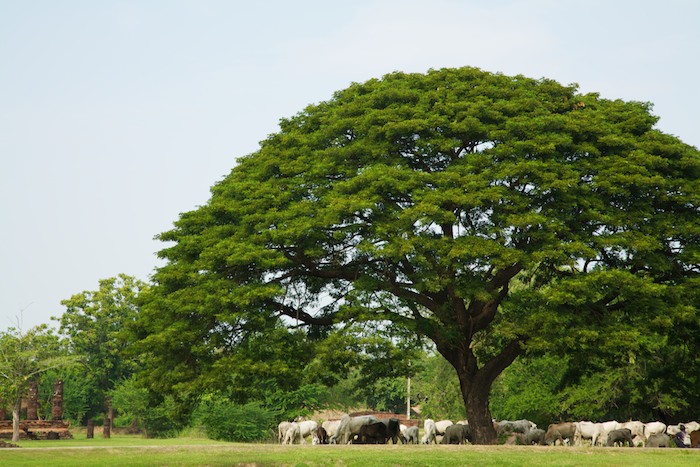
column 57, row 402
column 90, row 429
column 33, row 401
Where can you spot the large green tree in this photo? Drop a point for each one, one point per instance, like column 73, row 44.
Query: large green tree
column 479, row 210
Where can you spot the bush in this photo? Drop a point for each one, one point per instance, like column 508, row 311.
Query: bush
column 161, row 421
column 303, row 401
column 224, row 420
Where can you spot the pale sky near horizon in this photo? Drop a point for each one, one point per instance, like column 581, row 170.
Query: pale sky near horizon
column 116, row 116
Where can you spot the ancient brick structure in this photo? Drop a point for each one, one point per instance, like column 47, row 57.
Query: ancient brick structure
column 57, row 402
column 33, row 401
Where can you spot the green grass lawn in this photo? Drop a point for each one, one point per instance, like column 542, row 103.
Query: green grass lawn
column 138, row 451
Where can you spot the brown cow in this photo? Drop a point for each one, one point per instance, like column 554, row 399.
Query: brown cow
column 560, row 432
column 695, row 439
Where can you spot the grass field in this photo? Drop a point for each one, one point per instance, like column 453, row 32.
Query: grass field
column 137, row 451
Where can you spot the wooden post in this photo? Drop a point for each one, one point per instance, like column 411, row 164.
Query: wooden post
column 57, row 403
column 33, row 401
column 90, row 429
column 110, row 414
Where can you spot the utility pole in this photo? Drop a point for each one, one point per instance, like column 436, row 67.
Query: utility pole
column 408, row 393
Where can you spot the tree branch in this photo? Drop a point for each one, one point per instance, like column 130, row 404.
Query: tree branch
column 494, row 367
column 301, row 315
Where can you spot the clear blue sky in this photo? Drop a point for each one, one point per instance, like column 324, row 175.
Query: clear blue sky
column 116, row 116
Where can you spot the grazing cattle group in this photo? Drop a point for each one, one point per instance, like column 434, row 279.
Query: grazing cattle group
column 368, row 429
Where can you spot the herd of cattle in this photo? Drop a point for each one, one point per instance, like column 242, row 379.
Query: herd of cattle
column 368, row 429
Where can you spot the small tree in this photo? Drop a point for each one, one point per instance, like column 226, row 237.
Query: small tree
column 23, row 357
column 95, row 321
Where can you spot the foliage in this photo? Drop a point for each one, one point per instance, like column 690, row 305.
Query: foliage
column 226, row 421
column 344, row 395
column 79, row 393
column 299, row 402
column 485, row 212
column 385, row 394
column 129, row 399
column 163, row 419
column 96, row 323
column 436, row 389
column 617, row 381
column 530, row 389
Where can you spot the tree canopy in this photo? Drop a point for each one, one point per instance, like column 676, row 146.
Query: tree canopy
column 96, row 324
column 489, row 213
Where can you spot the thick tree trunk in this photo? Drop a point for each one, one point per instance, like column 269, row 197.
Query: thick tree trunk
column 476, row 383
column 475, row 393
column 479, row 415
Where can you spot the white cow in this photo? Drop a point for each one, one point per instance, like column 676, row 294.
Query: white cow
column 672, row 430
column 637, row 429
column 282, row 430
column 429, row 432
column 349, row 427
column 689, row 428
column 516, row 426
column 607, row 428
column 402, row 429
column 331, row 427
column 441, row 426
column 692, row 426
column 653, row 428
column 587, row 430
column 293, row 434
column 307, row 428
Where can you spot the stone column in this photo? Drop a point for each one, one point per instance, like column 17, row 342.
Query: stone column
column 57, row 403
column 33, row 401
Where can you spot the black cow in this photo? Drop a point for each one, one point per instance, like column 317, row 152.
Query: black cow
column 457, row 434
column 658, row 440
column 622, row 436
column 393, row 430
column 535, row 436
column 322, row 435
column 374, row 433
